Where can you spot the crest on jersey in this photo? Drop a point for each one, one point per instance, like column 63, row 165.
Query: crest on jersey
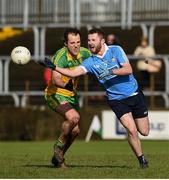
column 113, row 59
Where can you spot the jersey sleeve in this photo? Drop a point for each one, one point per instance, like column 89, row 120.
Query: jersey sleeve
column 59, row 60
column 86, row 65
column 121, row 55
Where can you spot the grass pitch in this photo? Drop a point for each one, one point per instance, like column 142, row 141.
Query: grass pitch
column 96, row 159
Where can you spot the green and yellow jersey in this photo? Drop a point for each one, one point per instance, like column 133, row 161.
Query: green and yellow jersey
column 64, row 59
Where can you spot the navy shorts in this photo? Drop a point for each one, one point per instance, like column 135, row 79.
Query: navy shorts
column 135, row 104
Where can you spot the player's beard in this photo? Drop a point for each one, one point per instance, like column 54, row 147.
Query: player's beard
column 96, row 49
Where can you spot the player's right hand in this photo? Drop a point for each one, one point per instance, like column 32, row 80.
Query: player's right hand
column 47, row 63
column 69, row 85
column 105, row 73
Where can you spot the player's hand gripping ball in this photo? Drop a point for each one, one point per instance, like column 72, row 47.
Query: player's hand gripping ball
column 20, row 55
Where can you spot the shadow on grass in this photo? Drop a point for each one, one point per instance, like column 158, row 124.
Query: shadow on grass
column 39, row 165
column 98, row 166
column 78, row 166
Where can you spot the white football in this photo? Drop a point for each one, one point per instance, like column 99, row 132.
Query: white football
column 20, row 55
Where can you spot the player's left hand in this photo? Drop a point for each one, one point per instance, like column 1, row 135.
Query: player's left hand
column 47, row 63
column 105, row 73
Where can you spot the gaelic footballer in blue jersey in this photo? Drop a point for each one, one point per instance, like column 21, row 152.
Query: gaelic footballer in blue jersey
column 110, row 65
column 117, row 86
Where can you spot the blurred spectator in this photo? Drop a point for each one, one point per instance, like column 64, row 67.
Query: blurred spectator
column 112, row 40
column 147, row 51
column 47, row 75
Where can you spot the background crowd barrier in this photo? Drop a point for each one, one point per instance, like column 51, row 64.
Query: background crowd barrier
column 21, row 92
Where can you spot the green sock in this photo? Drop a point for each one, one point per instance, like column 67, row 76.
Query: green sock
column 59, row 144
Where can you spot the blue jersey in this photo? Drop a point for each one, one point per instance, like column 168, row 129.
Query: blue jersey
column 117, row 87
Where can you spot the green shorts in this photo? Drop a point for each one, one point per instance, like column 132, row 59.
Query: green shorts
column 55, row 100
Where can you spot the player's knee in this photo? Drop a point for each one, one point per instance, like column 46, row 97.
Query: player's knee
column 133, row 133
column 145, row 132
column 74, row 120
column 76, row 131
column 73, row 117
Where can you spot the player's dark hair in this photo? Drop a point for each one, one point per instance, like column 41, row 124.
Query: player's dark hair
column 99, row 31
column 68, row 31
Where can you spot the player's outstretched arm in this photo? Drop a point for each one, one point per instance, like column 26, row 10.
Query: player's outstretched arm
column 77, row 71
column 47, row 63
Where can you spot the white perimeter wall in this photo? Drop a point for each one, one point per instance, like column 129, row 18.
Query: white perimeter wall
column 159, row 126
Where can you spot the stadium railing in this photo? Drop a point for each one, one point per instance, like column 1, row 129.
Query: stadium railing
column 20, row 97
column 147, row 12
column 153, row 92
column 42, row 14
column 63, row 13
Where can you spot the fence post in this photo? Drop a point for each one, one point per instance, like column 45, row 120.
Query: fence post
column 26, row 14
column 36, row 41
column 3, row 11
column 123, row 14
column 72, row 12
column 151, row 35
column 166, row 61
column 6, row 75
column 78, row 13
column 144, row 30
column 1, row 76
column 42, row 41
column 152, row 88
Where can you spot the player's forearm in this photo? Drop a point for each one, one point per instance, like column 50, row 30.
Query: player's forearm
column 77, row 71
column 47, row 63
column 122, row 71
column 66, row 72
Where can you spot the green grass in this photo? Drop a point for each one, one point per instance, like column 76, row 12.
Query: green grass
column 96, row 159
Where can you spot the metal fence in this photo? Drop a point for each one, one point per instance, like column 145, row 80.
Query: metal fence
column 101, row 12
column 19, row 94
column 62, row 13
column 24, row 13
column 41, row 14
column 148, row 12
